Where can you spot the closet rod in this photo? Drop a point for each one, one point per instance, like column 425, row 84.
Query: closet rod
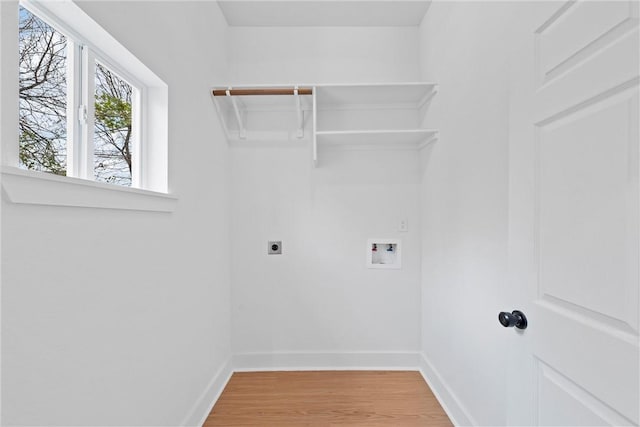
column 263, row 91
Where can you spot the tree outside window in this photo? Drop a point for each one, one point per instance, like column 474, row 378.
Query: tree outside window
column 113, row 131
column 43, row 96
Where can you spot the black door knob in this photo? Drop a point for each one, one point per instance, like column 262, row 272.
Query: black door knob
column 515, row 318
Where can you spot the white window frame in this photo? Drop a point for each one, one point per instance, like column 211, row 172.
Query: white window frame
column 82, row 58
column 86, row 43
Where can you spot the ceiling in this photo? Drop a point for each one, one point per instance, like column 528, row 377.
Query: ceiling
column 324, row 13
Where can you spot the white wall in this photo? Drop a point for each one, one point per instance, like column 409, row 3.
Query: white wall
column 323, row 54
column 464, row 47
column 318, row 298
column 113, row 317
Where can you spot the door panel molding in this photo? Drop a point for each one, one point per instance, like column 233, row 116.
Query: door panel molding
column 585, row 164
column 610, row 69
column 592, row 357
column 577, row 313
column 564, row 41
column 587, row 105
column 563, row 401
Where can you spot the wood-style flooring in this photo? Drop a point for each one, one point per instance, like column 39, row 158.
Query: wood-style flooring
column 327, row 398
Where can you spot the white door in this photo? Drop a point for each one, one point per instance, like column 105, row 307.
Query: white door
column 574, row 214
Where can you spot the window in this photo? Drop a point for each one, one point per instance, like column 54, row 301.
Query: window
column 87, row 107
column 43, row 95
column 113, row 129
column 56, row 74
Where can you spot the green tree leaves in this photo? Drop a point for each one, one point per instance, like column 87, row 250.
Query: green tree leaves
column 113, row 112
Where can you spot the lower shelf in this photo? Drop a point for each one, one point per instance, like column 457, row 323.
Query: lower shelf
column 404, row 138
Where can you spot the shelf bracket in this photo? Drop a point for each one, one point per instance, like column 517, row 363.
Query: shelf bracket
column 427, row 98
column 314, row 124
column 430, row 140
column 243, row 133
column 296, row 95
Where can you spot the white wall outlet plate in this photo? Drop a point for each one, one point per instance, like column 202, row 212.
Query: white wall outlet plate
column 403, row 224
column 274, row 247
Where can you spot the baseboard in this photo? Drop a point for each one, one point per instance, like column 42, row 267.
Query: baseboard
column 201, row 409
column 457, row 413
column 307, row 361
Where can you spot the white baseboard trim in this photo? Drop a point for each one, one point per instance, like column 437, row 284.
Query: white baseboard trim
column 456, row 411
column 201, row 409
column 307, row 361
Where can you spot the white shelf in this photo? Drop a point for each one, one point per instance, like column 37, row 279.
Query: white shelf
column 363, row 115
column 413, row 95
column 402, row 138
column 373, row 116
column 264, row 118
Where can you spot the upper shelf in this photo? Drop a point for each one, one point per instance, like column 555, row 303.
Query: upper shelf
column 369, row 115
column 412, row 95
column 264, row 113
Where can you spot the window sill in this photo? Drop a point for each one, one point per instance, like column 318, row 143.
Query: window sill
column 40, row 188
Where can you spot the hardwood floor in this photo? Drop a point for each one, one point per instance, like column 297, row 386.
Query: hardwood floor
column 327, row 398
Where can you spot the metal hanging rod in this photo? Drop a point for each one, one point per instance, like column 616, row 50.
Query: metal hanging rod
column 263, row 91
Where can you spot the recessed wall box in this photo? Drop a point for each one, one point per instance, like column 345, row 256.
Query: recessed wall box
column 384, row 253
